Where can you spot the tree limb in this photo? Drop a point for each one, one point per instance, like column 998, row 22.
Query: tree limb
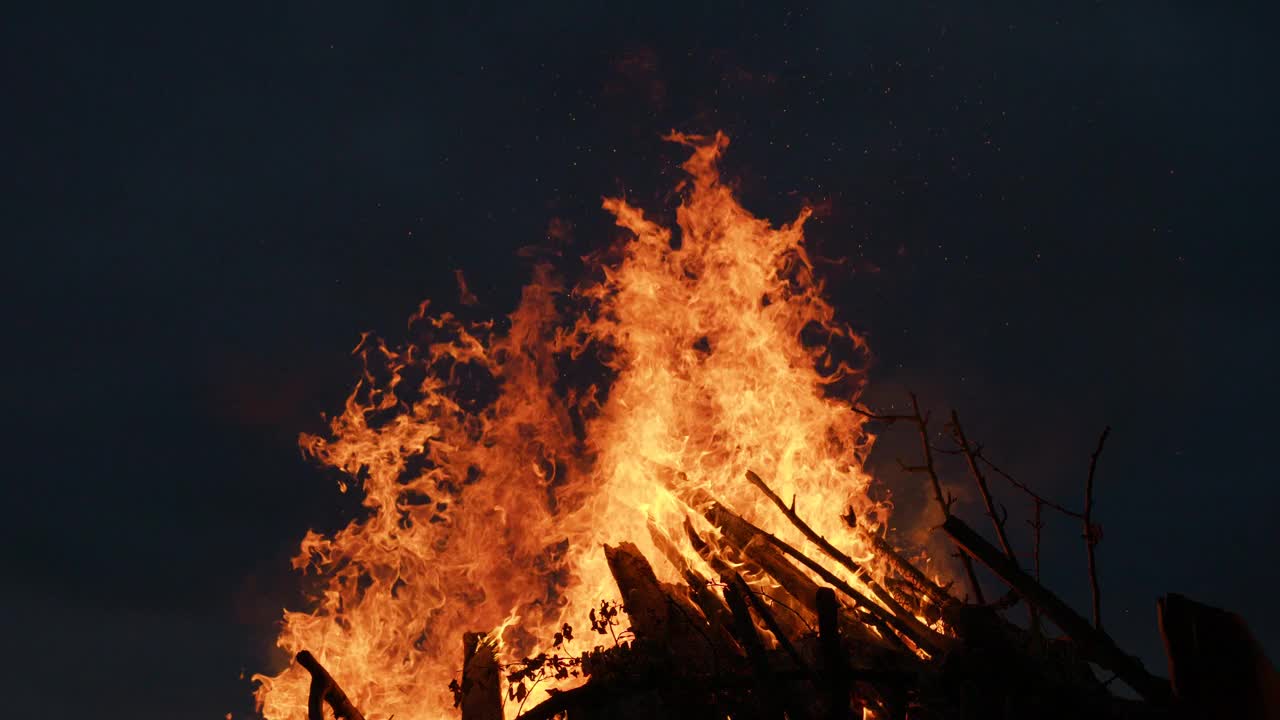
column 1091, row 533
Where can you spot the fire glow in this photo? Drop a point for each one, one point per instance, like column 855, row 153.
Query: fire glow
column 492, row 473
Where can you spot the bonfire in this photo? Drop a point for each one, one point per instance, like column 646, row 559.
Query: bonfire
column 644, row 495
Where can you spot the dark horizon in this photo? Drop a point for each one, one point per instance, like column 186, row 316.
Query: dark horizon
column 1050, row 221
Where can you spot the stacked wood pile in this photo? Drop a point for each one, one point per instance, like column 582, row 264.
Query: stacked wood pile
column 779, row 634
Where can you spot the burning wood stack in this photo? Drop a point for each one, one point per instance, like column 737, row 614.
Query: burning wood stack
column 779, row 633
column 494, row 459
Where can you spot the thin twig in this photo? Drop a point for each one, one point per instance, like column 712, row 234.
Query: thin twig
column 1092, row 533
column 968, row 451
column 922, row 425
column 970, row 456
column 914, row 577
column 1034, row 495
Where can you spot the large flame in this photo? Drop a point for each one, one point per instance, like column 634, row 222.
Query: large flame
column 496, row 458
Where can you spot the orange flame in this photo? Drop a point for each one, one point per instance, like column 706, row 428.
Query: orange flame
column 492, row 476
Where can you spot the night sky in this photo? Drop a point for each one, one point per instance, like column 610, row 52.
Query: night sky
column 1051, row 220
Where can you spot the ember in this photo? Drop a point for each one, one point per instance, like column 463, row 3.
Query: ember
column 521, row 476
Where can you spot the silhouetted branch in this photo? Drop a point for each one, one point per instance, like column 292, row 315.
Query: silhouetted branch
column 1032, row 493
column 1092, row 533
column 749, row 638
column 889, row 601
column 971, row 457
column 324, row 688
column 770, row 621
column 1036, row 526
column 921, row 423
column 767, row 550
column 1095, row 644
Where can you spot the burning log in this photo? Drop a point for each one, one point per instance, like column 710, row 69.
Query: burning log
column 643, row 597
column 325, row 689
column 905, row 568
column 736, row 582
column 657, row 615
column 1091, row 531
column 742, row 532
column 1093, row 642
column 762, row 559
column 713, row 609
column 745, row 630
column 905, row 594
column 757, row 547
column 905, row 623
column 481, row 687
column 988, row 668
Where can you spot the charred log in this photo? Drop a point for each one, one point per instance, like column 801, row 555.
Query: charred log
column 898, row 617
column 325, row 689
column 749, row 637
column 657, row 617
column 835, row 670
column 1097, row 645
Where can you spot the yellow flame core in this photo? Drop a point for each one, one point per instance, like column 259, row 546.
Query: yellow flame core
column 487, row 509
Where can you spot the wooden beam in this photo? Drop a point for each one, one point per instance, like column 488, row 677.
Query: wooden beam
column 1095, row 644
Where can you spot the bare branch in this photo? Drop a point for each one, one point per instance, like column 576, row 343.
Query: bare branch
column 1092, row 533
column 1094, row 643
column 968, row 451
column 922, row 426
column 1032, row 493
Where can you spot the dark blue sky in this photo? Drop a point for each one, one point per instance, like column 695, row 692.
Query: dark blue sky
column 1054, row 219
